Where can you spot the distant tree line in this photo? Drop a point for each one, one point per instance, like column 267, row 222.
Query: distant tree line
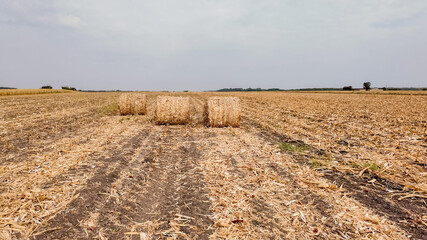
column 103, row 91
column 69, row 88
column 63, row 87
column 403, row 89
column 316, row 89
column 248, row 89
column 366, row 86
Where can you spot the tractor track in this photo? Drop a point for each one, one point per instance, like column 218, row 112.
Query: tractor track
column 305, row 196
column 407, row 213
column 68, row 221
column 24, row 143
column 154, row 179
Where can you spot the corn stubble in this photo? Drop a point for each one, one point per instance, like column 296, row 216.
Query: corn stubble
column 32, row 196
column 252, row 200
column 385, row 134
column 249, row 198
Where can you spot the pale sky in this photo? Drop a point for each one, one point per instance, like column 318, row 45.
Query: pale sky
column 203, row 45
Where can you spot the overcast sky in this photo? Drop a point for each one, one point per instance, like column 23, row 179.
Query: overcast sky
column 201, row 45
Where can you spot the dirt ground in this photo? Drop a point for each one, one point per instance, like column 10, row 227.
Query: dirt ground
column 71, row 168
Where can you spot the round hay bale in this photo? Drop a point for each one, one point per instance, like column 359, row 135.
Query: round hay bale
column 172, row 110
column 125, row 104
column 139, row 103
column 223, row 112
column 133, row 103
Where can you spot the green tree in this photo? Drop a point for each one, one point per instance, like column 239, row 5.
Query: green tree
column 367, row 86
column 69, row 88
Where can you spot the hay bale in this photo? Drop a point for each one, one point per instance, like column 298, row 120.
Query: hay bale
column 172, row 110
column 125, row 104
column 139, row 103
column 133, row 103
column 223, row 112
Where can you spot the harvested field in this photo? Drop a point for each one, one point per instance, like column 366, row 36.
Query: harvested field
column 11, row 92
column 300, row 166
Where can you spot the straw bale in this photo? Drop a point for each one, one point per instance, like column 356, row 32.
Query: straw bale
column 223, row 112
column 172, row 110
column 133, row 103
column 125, row 105
column 139, row 103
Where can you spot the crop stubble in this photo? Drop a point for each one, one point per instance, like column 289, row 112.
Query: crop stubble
column 189, row 181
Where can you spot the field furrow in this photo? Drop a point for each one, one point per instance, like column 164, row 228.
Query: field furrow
column 258, row 193
column 401, row 159
column 36, row 189
column 382, row 196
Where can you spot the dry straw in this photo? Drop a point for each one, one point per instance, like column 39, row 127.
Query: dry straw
column 11, row 92
column 133, row 103
column 172, row 110
column 139, row 103
column 223, row 112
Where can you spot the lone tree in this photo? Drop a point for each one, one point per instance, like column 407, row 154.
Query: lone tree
column 46, row 87
column 367, row 86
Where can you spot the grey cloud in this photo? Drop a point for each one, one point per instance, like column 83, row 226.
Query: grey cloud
column 198, row 45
